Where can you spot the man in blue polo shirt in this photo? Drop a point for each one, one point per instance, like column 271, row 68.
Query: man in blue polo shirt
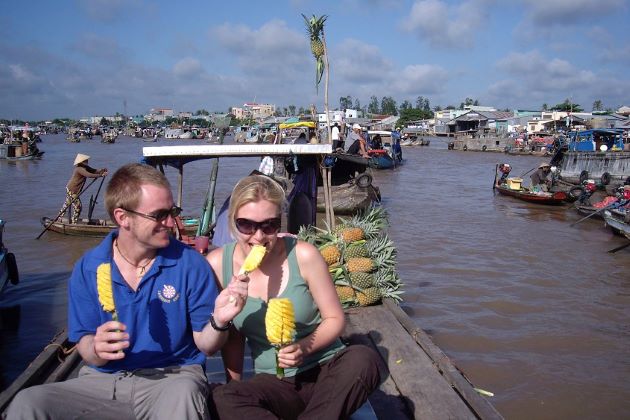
column 144, row 349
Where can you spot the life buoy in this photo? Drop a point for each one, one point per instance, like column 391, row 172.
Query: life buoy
column 583, row 176
column 364, row 180
column 12, row 268
column 465, row 148
column 575, row 192
column 484, row 148
column 605, row 178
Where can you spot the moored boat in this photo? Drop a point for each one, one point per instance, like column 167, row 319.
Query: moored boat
column 8, row 265
column 600, row 154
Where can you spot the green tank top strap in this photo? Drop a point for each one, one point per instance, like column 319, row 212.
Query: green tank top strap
column 228, row 253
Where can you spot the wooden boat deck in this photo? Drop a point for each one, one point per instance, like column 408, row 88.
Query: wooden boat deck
column 419, row 379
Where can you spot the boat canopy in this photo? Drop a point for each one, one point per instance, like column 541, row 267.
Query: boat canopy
column 299, row 124
column 592, row 140
column 178, row 156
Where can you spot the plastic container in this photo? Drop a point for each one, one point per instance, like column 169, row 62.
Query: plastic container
column 514, row 183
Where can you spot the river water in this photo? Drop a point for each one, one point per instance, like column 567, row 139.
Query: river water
column 529, row 308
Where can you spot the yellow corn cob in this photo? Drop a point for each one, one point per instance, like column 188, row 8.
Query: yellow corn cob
column 280, row 326
column 253, row 259
column 104, row 289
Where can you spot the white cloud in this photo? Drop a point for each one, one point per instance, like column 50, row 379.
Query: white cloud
column 187, row 67
column 444, row 25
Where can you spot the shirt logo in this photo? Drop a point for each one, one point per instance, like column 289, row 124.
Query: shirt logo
column 168, row 294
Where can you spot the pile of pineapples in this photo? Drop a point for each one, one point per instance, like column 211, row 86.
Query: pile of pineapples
column 360, row 257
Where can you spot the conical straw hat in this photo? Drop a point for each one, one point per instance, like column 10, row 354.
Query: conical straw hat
column 80, row 158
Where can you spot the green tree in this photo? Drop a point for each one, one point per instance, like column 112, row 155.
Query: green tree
column 405, row 105
column 598, row 105
column 357, row 104
column 345, row 102
column 567, row 106
column 545, row 107
column 437, row 108
column 373, row 105
column 301, row 111
column 388, row 106
column 104, row 121
column 292, row 110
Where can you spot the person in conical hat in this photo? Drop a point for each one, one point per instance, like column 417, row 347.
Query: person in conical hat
column 539, row 178
column 75, row 185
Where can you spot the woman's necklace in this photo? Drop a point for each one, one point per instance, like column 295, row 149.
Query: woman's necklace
column 141, row 268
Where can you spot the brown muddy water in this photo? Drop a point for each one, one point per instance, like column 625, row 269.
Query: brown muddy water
column 531, row 309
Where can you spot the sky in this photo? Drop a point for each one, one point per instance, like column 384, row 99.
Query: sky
column 80, row 58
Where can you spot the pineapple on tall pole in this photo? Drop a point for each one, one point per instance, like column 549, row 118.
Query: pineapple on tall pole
column 315, row 29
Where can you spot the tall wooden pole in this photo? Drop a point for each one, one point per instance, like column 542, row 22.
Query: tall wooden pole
column 326, row 171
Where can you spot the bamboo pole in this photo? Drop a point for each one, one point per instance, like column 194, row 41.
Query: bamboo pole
column 326, row 175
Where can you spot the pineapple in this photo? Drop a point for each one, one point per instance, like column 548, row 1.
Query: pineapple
column 104, row 289
column 315, row 29
column 253, row 259
column 351, row 234
column 362, row 280
column 331, row 254
column 345, row 293
column 361, row 264
column 280, row 326
column 356, row 249
column 369, row 296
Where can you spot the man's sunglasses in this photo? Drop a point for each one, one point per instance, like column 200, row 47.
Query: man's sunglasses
column 249, row 227
column 158, row 215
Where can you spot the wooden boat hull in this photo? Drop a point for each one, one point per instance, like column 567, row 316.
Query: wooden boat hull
column 99, row 227
column 381, row 161
column 349, row 198
column 615, row 222
column 422, row 383
column 555, row 198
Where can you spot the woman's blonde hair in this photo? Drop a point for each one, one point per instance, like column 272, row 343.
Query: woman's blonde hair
column 251, row 189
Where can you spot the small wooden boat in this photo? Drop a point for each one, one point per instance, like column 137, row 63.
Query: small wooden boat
column 15, row 152
column 419, row 380
column 380, row 159
column 525, row 194
column 98, row 227
column 351, row 197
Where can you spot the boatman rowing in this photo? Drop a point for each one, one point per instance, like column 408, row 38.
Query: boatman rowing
column 75, row 185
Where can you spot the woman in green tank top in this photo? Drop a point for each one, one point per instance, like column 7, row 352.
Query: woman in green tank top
column 323, row 378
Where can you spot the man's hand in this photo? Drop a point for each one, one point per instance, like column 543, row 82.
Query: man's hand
column 109, row 341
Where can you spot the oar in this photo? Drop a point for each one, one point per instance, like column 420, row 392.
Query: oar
column 619, row 248
column 93, row 201
column 592, row 214
column 525, row 173
column 63, row 210
column 494, row 184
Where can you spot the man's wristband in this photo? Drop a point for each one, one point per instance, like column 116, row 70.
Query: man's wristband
column 216, row 327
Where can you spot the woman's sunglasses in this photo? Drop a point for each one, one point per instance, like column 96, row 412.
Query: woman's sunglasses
column 249, row 227
column 158, row 215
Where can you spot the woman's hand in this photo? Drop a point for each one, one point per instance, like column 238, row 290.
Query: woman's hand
column 231, row 300
column 291, row 356
column 109, row 341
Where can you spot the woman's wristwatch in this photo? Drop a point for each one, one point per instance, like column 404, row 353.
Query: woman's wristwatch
column 216, row 327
